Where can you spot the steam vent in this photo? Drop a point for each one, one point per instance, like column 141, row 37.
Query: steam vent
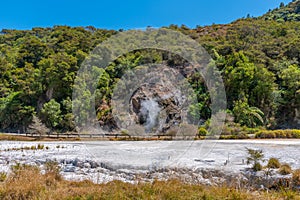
column 153, row 101
column 156, row 107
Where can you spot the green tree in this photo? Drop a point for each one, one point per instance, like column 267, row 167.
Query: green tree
column 14, row 115
column 245, row 80
column 68, row 118
column 246, row 115
column 290, row 90
column 52, row 113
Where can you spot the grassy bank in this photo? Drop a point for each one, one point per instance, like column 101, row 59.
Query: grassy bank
column 27, row 182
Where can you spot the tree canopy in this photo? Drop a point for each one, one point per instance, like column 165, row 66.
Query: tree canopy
column 258, row 59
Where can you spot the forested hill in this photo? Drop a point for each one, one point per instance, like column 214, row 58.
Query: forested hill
column 258, row 57
column 290, row 12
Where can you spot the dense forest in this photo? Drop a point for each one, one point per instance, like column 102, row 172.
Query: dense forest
column 258, row 59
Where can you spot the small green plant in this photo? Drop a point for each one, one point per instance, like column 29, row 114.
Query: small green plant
column 202, row 132
column 285, row 169
column 125, row 133
column 273, row 163
column 40, row 146
column 254, row 158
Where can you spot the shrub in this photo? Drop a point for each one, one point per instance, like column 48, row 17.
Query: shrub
column 273, row 163
column 285, row 169
column 289, row 133
column 242, row 135
column 124, row 132
column 202, row 132
column 265, row 135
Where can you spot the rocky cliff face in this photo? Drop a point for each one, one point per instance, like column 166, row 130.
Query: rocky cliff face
column 157, row 108
column 153, row 100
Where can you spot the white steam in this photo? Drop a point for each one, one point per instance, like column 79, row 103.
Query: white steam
column 150, row 110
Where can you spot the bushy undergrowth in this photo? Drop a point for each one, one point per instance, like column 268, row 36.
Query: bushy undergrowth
column 268, row 134
column 236, row 131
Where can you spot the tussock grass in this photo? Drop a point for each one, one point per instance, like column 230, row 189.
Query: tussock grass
column 273, row 163
column 285, row 169
column 15, row 137
column 28, row 183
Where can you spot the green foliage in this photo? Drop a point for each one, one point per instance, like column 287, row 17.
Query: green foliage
column 68, row 119
column 246, row 115
column 267, row 134
column 258, row 59
column 290, row 12
column 13, row 114
column 202, row 132
column 52, row 113
column 290, row 91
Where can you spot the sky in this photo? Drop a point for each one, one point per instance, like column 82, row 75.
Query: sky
column 130, row 14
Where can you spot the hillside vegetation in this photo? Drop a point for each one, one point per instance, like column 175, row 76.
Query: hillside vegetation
column 258, row 59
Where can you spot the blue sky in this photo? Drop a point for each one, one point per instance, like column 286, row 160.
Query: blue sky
column 114, row 14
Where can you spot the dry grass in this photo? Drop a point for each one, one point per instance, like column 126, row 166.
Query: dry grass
column 15, row 138
column 296, row 177
column 8, row 137
column 28, row 183
column 285, row 169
